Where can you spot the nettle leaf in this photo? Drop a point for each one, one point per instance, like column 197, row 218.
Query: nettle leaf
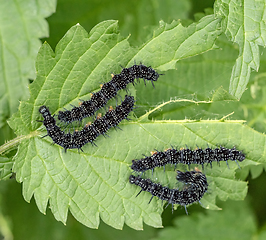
column 22, row 23
column 205, row 76
column 243, row 23
column 173, row 42
column 5, row 168
column 94, row 184
column 236, row 221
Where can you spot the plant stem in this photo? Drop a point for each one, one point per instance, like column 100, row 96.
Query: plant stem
column 12, row 144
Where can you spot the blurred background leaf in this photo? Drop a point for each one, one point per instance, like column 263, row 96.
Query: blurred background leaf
column 235, row 221
column 22, row 23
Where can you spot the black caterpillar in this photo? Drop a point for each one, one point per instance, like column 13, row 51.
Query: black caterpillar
column 90, row 132
column 187, row 156
column 108, row 91
column 195, row 187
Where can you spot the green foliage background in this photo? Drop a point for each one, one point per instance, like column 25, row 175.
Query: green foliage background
column 206, row 67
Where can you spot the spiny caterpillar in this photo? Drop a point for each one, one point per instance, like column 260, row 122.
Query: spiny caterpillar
column 108, row 91
column 195, row 186
column 89, row 133
column 187, row 157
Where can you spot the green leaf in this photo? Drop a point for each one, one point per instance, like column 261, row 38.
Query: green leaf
column 173, row 42
column 236, row 221
column 5, row 168
column 5, row 226
column 94, row 184
column 222, row 95
column 243, row 23
column 22, row 24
